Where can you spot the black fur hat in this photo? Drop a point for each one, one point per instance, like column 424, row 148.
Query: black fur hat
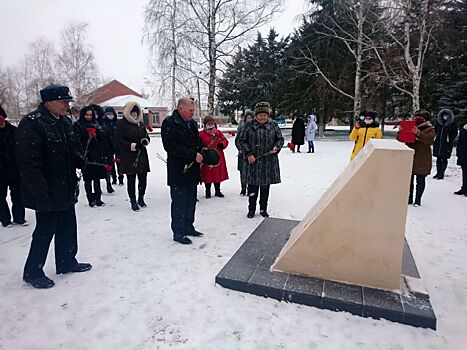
column 372, row 114
column 422, row 113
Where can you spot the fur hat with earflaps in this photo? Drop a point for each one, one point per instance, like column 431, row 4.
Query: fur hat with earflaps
column 262, row 107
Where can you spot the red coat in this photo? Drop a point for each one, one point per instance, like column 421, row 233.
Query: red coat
column 217, row 173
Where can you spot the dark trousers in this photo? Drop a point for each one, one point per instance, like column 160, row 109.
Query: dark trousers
column 441, row 165
column 298, row 148
column 217, row 186
column 89, row 184
column 253, row 196
column 464, row 177
column 131, row 185
column 420, row 188
column 311, row 146
column 17, row 206
column 62, row 224
column 183, row 209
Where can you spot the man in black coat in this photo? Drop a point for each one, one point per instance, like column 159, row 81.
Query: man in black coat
column 183, row 145
column 9, row 175
column 48, row 153
column 446, row 132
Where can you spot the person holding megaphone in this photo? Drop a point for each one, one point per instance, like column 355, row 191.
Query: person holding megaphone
column 132, row 140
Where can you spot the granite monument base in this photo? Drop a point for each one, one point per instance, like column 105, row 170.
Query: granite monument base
column 249, row 271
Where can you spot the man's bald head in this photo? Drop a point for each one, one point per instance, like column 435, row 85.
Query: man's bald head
column 186, row 108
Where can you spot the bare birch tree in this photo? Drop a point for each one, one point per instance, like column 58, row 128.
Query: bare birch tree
column 76, row 62
column 417, row 20
column 352, row 27
column 219, row 27
column 39, row 67
column 167, row 30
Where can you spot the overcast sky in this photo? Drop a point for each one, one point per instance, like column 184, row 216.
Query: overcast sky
column 115, row 31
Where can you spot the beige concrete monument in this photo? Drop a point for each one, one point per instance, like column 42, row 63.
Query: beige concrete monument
column 355, row 232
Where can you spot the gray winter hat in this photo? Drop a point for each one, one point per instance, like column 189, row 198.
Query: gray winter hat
column 262, row 107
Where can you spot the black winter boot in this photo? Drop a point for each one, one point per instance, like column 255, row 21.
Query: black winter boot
column 141, row 202
column 134, row 205
column 217, row 187
column 462, row 191
column 99, row 203
column 208, row 190
column 109, row 188
column 91, row 200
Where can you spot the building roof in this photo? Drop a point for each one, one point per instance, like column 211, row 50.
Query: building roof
column 110, row 90
column 120, row 101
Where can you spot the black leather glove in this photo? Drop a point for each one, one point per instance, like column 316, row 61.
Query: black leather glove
column 220, row 145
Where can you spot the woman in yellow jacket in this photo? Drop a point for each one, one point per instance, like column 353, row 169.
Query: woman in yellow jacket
column 366, row 127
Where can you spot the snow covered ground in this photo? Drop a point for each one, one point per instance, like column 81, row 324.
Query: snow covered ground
column 147, row 292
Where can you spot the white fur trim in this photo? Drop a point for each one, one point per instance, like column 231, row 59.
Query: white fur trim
column 126, row 112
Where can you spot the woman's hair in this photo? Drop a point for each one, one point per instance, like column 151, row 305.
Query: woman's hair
column 83, row 111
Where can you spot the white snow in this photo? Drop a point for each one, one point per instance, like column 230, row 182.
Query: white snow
column 147, row 292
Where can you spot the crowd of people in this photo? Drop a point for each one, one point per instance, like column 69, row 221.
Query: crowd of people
column 44, row 159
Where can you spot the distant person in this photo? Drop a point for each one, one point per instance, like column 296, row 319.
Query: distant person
column 310, row 133
column 132, row 139
column 183, row 145
column 74, row 115
column 261, row 140
column 94, row 144
column 213, row 139
column 366, row 127
column 9, row 175
column 48, row 154
column 109, row 124
column 421, row 168
column 446, row 133
column 298, row 133
column 241, row 157
column 462, row 157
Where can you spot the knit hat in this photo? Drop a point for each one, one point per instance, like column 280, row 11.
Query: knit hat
column 207, row 119
column 248, row 112
column 262, row 107
column 371, row 114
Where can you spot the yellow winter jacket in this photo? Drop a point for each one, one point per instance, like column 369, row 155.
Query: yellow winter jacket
column 362, row 135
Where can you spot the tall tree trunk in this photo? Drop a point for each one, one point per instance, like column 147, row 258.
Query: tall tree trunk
column 416, row 79
column 174, row 52
column 357, row 103
column 212, row 55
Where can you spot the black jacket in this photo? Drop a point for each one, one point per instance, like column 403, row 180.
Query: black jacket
column 96, row 151
column 298, row 132
column 181, row 142
column 462, row 148
column 446, row 132
column 127, row 133
column 9, row 173
column 48, row 152
column 109, row 127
